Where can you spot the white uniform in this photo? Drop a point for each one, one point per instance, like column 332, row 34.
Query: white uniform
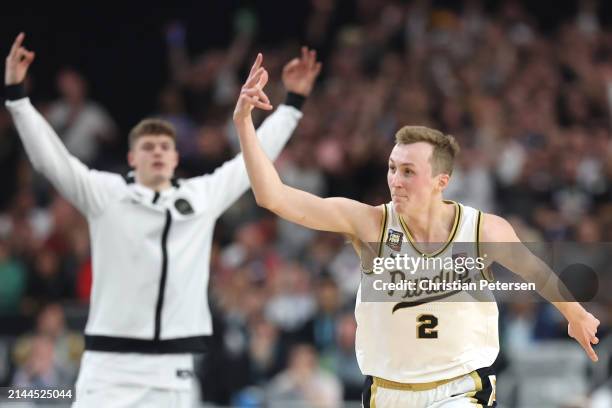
column 150, row 255
column 431, row 337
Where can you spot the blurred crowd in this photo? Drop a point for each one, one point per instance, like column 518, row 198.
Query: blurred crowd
column 530, row 109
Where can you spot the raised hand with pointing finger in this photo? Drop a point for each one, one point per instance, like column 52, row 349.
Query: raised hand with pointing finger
column 17, row 62
column 299, row 74
column 252, row 94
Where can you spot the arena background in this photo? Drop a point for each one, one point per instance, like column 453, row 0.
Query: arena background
column 524, row 86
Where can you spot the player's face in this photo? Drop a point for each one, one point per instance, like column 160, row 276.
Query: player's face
column 410, row 178
column 154, row 158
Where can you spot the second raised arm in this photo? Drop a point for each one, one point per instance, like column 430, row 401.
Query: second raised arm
column 331, row 214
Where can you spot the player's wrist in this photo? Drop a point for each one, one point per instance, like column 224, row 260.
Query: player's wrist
column 572, row 311
column 16, row 91
column 295, row 99
column 242, row 118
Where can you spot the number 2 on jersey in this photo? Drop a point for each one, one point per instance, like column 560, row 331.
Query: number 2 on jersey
column 426, row 324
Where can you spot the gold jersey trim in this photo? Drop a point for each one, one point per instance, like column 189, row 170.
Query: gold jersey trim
column 373, row 390
column 450, row 238
column 478, row 387
column 486, row 273
column 393, row 385
column 383, row 229
column 477, row 381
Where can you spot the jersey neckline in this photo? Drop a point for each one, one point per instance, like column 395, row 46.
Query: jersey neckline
column 449, row 240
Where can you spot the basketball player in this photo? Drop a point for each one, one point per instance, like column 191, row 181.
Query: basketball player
column 151, row 237
column 414, row 354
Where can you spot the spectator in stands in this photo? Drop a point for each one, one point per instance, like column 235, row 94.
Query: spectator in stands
column 13, row 281
column 84, row 125
column 291, row 303
column 49, row 281
column 303, row 382
column 341, row 358
column 67, row 344
column 320, row 331
column 40, row 369
column 266, row 351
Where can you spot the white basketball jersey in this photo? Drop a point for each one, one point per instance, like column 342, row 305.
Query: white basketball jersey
column 436, row 337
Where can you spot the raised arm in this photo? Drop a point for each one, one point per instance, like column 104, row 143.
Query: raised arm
column 83, row 187
column 230, row 181
column 582, row 325
column 331, row 214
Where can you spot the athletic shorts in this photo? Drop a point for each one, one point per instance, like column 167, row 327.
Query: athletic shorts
column 117, row 380
column 109, row 395
column 476, row 389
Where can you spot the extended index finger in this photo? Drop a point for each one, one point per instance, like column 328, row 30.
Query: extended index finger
column 253, row 79
column 256, row 64
column 263, row 80
column 586, row 345
column 17, row 43
column 312, row 60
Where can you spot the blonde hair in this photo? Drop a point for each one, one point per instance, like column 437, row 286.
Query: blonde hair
column 445, row 147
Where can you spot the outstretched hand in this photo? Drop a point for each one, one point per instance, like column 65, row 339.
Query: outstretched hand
column 252, row 94
column 584, row 331
column 299, row 74
column 17, row 62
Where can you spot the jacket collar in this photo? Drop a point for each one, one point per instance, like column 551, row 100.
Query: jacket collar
column 130, row 178
column 146, row 194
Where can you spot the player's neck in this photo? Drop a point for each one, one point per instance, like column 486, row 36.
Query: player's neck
column 432, row 223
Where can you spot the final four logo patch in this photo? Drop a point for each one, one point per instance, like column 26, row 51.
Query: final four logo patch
column 394, row 240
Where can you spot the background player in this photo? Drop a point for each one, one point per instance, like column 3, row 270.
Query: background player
column 151, row 237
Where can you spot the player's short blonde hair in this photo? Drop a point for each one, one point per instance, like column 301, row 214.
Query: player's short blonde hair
column 154, row 127
column 445, row 147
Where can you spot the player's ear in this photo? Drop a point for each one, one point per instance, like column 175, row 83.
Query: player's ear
column 130, row 158
column 443, row 180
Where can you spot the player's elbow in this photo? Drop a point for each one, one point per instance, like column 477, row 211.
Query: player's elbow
column 269, row 195
column 272, row 204
column 264, row 199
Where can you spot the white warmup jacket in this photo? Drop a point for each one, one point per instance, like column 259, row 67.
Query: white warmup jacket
column 150, row 251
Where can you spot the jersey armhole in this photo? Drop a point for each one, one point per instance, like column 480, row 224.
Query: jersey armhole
column 383, row 230
column 486, row 273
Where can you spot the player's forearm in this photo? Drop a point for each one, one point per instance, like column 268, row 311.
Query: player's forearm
column 50, row 157
column 572, row 311
column 276, row 130
column 548, row 284
column 532, row 269
column 265, row 181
